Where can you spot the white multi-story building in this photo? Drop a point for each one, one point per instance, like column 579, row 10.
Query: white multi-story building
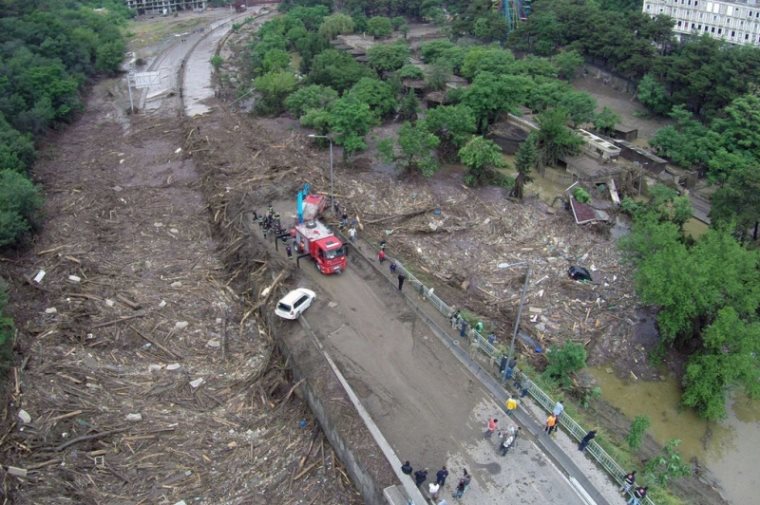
column 737, row 21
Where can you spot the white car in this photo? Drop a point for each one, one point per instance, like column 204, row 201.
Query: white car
column 292, row 305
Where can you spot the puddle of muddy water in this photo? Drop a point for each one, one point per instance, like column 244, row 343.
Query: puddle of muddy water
column 728, row 452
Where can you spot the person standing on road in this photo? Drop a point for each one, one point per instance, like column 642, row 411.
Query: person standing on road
column 558, row 409
column 393, row 267
column 493, row 423
column 440, row 476
column 511, row 405
column 628, row 481
column 433, row 490
column 381, row 255
column 586, row 440
column 639, row 494
column 401, row 279
column 420, row 476
column 407, row 468
column 462, row 327
column 289, row 251
column 352, row 234
column 551, row 422
column 462, row 485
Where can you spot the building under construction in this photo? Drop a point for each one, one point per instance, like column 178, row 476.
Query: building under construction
column 164, row 6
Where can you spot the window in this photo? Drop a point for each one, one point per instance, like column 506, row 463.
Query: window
column 712, row 30
column 746, row 37
column 679, row 23
column 720, row 30
column 733, row 33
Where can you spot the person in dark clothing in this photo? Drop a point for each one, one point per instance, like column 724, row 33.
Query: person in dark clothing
column 628, row 481
column 401, row 279
column 638, row 495
column 440, row 476
column 462, row 485
column 585, row 440
column 289, row 250
column 393, row 267
column 462, row 328
column 420, row 476
column 407, row 468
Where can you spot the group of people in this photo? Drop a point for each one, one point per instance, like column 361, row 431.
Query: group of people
column 435, row 488
column 269, row 221
column 393, row 266
column 637, row 494
column 552, row 422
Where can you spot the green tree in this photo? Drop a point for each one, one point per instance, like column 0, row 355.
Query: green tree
column 20, row 202
column 580, row 107
column 379, row 26
column 409, row 107
column 487, row 59
column 274, row 88
column 728, row 357
column 525, row 160
column 349, row 121
column 567, row 63
column 275, row 60
column 336, row 24
column 687, row 143
column 438, row 76
column 310, row 97
column 375, row 93
column 636, row 432
column 416, row 147
column 492, row 26
column 653, row 95
column 481, row 157
column 563, row 362
column 554, row 140
column 669, row 205
column 410, row 72
column 16, row 149
column 605, row 121
column 738, row 201
column 453, row 124
column 488, row 96
column 388, row 57
column 337, row 70
column 667, row 465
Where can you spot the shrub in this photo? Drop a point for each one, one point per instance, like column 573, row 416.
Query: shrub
column 564, row 361
column 20, row 202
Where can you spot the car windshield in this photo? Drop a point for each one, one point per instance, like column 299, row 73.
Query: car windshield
column 335, row 253
column 284, row 307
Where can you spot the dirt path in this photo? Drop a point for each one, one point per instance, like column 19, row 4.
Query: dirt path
column 144, row 379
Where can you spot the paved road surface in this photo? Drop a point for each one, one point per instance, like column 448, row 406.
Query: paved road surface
column 430, row 409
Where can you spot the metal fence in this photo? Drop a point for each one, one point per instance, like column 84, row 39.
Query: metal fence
column 573, row 428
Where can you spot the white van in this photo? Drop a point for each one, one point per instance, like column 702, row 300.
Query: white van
column 292, row 305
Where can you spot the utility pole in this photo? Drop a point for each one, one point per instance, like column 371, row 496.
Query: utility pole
column 332, row 193
column 511, row 354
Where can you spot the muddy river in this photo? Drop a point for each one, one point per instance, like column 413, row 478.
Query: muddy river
column 729, row 451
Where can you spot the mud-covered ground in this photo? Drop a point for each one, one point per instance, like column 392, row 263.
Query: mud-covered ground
column 141, row 375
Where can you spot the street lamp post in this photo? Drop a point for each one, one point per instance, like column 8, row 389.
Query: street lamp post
column 332, row 193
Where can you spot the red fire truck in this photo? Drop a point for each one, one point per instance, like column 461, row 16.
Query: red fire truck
column 316, row 240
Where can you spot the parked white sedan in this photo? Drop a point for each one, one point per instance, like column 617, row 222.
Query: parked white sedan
column 292, row 305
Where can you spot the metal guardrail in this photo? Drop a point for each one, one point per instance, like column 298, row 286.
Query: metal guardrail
column 604, row 460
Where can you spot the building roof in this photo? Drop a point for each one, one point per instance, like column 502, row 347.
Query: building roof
column 584, row 213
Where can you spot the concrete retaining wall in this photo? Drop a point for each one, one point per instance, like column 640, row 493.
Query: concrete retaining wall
column 353, row 443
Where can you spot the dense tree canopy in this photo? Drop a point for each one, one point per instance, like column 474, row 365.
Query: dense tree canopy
column 48, row 51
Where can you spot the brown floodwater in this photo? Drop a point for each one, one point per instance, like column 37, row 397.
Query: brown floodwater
column 728, row 449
